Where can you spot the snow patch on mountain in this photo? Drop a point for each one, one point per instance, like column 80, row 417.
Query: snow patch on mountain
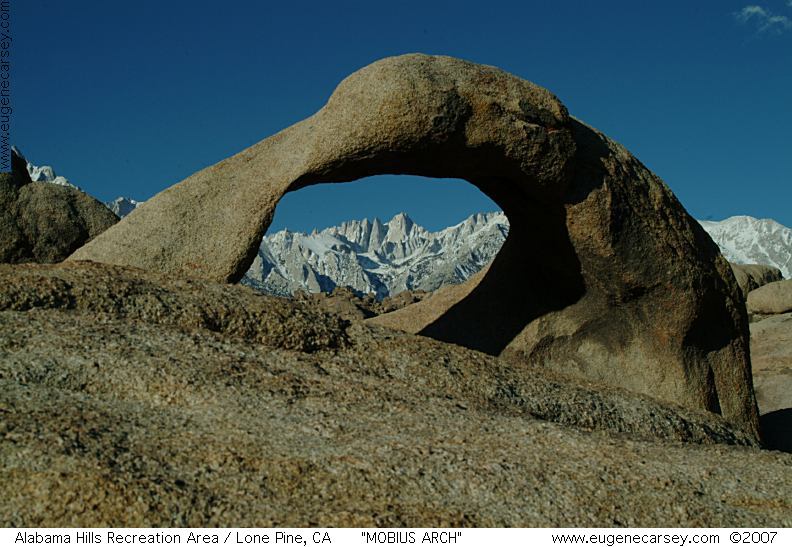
column 122, row 206
column 748, row 240
column 376, row 257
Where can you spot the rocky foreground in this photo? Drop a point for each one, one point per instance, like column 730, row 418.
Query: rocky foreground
column 133, row 399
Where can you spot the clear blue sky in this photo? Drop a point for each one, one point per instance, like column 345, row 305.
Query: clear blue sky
column 127, row 98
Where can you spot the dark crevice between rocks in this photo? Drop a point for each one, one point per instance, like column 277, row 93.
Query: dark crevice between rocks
column 777, row 430
column 714, row 402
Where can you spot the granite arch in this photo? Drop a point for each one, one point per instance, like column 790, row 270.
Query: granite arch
column 604, row 274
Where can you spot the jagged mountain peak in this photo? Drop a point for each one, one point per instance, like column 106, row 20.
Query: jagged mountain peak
column 376, row 257
column 122, row 206
column 44, row 173
column 400, row 219
column 399, row 227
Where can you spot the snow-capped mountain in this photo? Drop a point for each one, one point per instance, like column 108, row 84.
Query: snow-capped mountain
column 387, row 258
column 748, row 240
column 45, row 173
column 122, row 206
column 376, row 257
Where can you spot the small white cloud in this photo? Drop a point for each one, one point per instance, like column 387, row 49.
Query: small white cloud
column 750, row 11
column 764, row 19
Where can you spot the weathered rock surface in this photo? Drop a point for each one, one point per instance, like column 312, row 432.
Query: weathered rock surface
column 771, row 357
column 42, row 222
column 752, row 276
column 344, row 302
column 184, row 303
column 633, row 291
column 415, row 318
column 117, row 414
column 771, row 298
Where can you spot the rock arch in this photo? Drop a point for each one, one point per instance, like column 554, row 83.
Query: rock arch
column 604, row 275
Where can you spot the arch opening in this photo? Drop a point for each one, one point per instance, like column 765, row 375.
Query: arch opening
column 378, row 236
column 534, row 271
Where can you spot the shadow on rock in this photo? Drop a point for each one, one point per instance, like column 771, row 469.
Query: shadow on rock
column 777, row 430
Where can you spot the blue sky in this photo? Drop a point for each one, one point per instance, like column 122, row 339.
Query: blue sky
column 127, row 98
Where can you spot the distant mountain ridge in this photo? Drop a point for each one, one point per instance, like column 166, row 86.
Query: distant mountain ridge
column 383, row 258
column 387, row 258
column 390, row 257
